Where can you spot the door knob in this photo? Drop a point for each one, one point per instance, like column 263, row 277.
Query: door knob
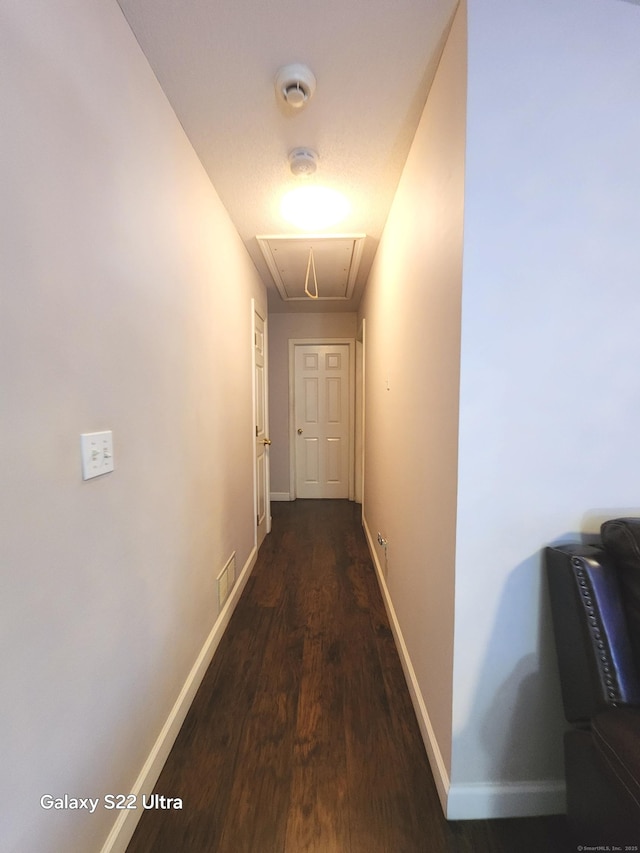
column 299, row 430
column 266, row 441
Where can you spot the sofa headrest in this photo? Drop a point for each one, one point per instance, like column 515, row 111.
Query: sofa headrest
column 621, row 539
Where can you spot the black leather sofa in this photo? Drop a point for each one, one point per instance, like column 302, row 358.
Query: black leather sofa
column 595, row 603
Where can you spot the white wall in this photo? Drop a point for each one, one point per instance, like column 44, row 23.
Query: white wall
column 548, row 395
column 126, row 305
column 282, row 328
column 412, row 313
column 549, row 402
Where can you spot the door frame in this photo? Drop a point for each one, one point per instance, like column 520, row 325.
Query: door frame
column 361, row 358
column 293, row 343
column 255, row 309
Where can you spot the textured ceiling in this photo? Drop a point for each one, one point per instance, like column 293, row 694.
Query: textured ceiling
column 373, row 60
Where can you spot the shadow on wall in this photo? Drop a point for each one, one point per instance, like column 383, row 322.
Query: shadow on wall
column 521, row 724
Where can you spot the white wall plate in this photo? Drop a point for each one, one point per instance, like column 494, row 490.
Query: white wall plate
column 97, row 453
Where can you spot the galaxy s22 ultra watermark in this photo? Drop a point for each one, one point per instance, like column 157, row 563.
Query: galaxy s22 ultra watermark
column 116, row 802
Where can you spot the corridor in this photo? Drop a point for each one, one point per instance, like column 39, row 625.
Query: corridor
column 302, row 736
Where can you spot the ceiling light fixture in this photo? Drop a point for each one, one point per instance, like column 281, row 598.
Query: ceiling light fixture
column 295, row 84
column 314, row 208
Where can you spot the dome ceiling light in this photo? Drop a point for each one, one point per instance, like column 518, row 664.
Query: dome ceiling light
column 295, row 84
column 314, row 208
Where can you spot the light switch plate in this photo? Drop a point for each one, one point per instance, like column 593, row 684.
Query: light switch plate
column 97, row 453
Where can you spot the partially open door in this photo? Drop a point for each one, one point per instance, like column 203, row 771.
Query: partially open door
column 262, row 442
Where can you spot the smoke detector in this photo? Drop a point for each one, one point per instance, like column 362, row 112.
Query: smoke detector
column 295, row 84
column 303, row 161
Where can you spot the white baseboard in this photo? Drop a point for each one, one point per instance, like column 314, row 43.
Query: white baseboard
column 514, row 799
column 280, row 496
column 466, row 801
column 124, row 827
column 434, row 755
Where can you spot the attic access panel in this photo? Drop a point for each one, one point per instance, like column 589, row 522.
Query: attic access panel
column 336, row 258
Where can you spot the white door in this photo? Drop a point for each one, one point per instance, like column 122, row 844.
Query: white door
column 322, row 421
column 262, row 441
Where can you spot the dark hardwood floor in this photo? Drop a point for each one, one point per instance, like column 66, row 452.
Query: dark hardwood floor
column 302, row 736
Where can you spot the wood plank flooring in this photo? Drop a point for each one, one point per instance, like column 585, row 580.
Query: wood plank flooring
column 302, row 737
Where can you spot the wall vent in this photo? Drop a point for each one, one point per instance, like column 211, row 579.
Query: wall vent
column 226, row 579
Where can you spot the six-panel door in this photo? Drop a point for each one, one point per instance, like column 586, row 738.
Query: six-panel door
column 322, row 420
